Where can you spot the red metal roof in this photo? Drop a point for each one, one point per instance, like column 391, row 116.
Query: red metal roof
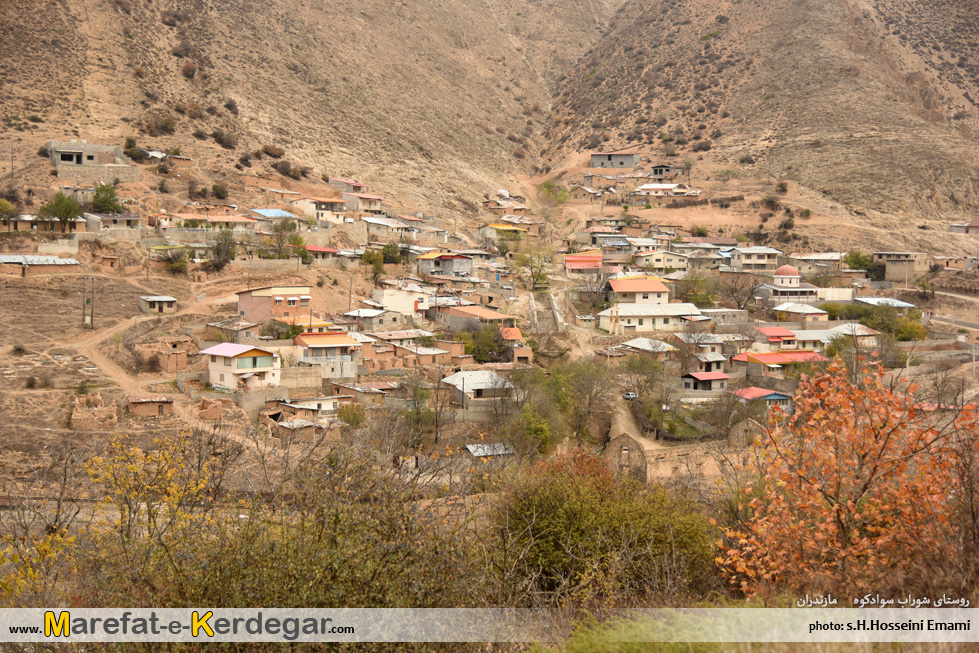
column 753, row 392
column 511, row 333
column 709, row 376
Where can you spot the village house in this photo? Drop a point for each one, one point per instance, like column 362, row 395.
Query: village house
column 336, row 354
column 705, row 381
column 804, row 313
column 472, row 317
column 903, row 266
column 708, row 362
column 402, row 338
column 409, row 299
column 817, row 263
column 776, row 364
column 157, row 304
column 370, row 319
column 348, row 185
column 614, row 160
column 385, row 228
column 150, row 405
column 478, row 388
column 778, row 337
column 585, row 194
column 771, row 398
column 364, row 202
column 322, row 255
column 754, row 259
column 661, row 261
column 664, row 171
column 728, row 344
column 309, row 324
column 623, row 319
column 648, row 347
column 418, row 355
column 268, row 217
column 502, row 232
column 218, row 222
column 328, row 210
column 584, row 263
column 787, row 286
column 88, row 163
column 504, row 206
column 259, row 305
column 236, row 367
column 315, row 407
column 637, row 290
column 443, row 263
column 99, row 222
column 232, row 330
column 662, row 190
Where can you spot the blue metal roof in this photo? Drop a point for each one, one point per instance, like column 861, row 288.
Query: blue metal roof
column 272, row 213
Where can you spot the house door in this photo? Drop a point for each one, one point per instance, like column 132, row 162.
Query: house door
column 159, row 307
column 160, row 409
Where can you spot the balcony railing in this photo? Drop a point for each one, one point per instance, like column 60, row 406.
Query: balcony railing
column 314, row 360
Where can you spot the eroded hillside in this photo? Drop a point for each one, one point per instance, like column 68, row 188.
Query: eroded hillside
column 872, row 103
column 429, row 102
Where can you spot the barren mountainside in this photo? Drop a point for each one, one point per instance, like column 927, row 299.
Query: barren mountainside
column 425, row 101
column 873, row 103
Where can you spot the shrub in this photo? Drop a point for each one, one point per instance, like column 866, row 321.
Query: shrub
column 781, row 187
column 200, row 134
column 699, row 230
column 43, row 151
column 158, row 124
column 804, row 213
column 770, row 202
column 747, row 159
column 31, row 383
column 231, row 106
column 189, row 70
column 787, row 223
column 273, row 151
column 701, row 146
column 220, row 191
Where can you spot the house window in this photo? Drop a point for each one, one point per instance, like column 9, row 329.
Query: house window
column 666, row 320
column 686, row 384
column 645, row 295
column 640, row 321
column 227, row 362
column 214, row 359
column 628, row 321
column 278, row 302
column 221, row 376
column 291, row 302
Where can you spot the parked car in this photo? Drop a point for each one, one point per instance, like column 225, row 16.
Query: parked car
column 629, row 396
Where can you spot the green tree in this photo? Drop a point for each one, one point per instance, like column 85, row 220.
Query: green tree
column 7, row 214
column 375, row 260
column 220, row 191
column 224, row 251
column 391, row 253
column 281, row 231
column 586, row 392
column 485, row 345
column 62, row 207
column 105, row 200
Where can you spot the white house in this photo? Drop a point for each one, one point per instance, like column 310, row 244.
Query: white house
column 241, row 367
column 624, row 319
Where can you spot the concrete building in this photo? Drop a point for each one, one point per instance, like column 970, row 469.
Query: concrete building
column 443, row 263
column 364, row 202
column 787, row 286
column 754, row 259
column 88, row 163
column 371, row 319
column 614, row 160
column 478, row 387
column 237, row 367
column 259, row 305
column 472, row 317
column 158, row 304
column 804, row 313
column 637, row 290
column 99, row 222
column 903, row 266
column 623, row 319
column 322, row 209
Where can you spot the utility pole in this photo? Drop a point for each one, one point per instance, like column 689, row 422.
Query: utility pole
column 11, row 167
column 84, row 296
column 91, row 319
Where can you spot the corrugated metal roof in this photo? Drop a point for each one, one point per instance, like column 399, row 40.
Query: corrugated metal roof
column 477, row 380
column 484, row 450
column 26, row 259
column 653, row 310
column 648, row 344
column 158, row 298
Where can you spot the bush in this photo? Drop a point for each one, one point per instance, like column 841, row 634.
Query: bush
column 189, row 70
column 273, row 151
column 43, row 152
column 220, row 191
column 747, row 159
column 770, row 202
column 200, row 134
column 232, row 107
column 804, row 213
column 156, row 125
column 699, row 230
column 31, row 383
column 781, row 187
column 587, row 537
column 787, row 223
column 225, row 139
column 701, row 146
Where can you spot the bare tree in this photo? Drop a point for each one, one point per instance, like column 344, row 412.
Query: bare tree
column 740, row 288
column 537, row 264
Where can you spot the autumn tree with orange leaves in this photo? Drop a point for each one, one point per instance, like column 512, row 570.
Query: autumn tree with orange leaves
column 862, row 489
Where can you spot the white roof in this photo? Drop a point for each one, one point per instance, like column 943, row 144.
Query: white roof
column 853, row 329
column 648, row 344
column 477, row 380
column 365, row 312
column 23, row 259
column 653, row 310
column 158, row 298
column 496, row 449
column 658, row 186
column 360, row 337
column 803, row 309
column 757, row 249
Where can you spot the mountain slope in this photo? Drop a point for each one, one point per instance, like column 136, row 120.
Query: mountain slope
column 871, row 102
column 430, row 102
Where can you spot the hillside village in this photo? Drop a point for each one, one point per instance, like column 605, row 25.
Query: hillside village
column 309, row 313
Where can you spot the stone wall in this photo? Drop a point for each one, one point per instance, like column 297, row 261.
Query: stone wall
column 91, row 413
column 89, row 174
